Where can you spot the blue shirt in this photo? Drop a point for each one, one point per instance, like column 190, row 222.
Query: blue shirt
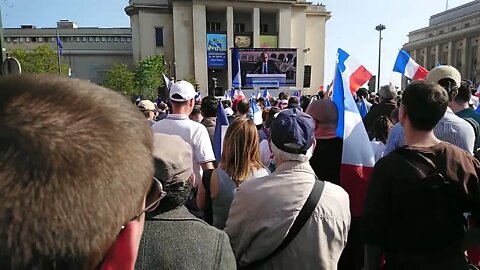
column 450, row 128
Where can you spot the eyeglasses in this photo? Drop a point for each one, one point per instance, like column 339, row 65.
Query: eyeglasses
column 154, row 196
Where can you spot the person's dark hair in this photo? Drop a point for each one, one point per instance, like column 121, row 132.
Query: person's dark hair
column 382, row 128
column 425, row 104
column 177, row 195
column 226, row 103
column 196, row 110
column 304, row 102
column 243, row 106
column 75, row 165
column 449, row 86
column 293, row 102
column 209, row 106
column 282, row 96
column 321, row 94
column 362, row 93
column 271, row 116
column 464, row 93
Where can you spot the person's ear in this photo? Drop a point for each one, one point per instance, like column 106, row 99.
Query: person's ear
column 123, row 253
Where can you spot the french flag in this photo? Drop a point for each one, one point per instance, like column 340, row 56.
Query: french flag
column 221, row 127
column 256, row 112
column 409, row 68
column 357, row 155
column 359, row 75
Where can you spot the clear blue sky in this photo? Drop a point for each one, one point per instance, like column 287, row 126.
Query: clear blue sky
column 352, row 26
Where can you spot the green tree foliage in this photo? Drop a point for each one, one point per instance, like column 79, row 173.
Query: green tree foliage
column 148, row 76
column 120, row 78
column 42, row 59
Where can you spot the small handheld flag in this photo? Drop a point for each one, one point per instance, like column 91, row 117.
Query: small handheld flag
column 221, row 127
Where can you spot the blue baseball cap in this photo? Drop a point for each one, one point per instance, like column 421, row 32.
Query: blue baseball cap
column 293, row 131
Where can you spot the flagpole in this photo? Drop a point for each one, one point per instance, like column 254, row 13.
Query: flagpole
column 446, row 5
column 58, row 55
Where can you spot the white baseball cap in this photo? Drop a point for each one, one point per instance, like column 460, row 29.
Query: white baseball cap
column 444, row 72
column 182, row 91
column 146, row 105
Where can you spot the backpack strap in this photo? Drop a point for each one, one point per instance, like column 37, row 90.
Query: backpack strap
column 302, row 218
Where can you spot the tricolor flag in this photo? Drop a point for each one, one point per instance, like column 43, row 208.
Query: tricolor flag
column 236, row 72
column 266, row 94
column 297, row 93
column 221, row 127
column 227, row 95
column 358, row 74
column 168, row 82
column 198, row 96
column 357, row 155
column 363, row 108
column 256, row 112
column 408, row 67
column 59, row 44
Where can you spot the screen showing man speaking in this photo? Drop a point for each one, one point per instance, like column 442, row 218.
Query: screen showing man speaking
column 262, row 67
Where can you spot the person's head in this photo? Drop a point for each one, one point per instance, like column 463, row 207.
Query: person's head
column 147, row 108
column 163, row 107
column 304, row 102
column 292, row 136
column 209, row 106
column 264, row 57
column 182, row 96
column 362, row 93
column 293, row 102
column 464, row 94
column 448, row 77
column 381, row 129
column 423, row 104
column 243, row 107
column 321, row 94
column 271, row 116
column 325, row 114
column 196, row 114
column 283, row 96
column 75, row 170
column 387, row 93
column 226, row 103
column 174, row 169
column 283, row 104
column 261, row 102
column 241, row 153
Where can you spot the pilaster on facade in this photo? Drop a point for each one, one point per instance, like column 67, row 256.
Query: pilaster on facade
column 256, row 27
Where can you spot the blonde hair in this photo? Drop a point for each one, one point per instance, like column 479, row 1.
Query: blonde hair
column 241, row 150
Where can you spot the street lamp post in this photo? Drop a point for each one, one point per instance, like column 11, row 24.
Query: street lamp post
column 379, row 28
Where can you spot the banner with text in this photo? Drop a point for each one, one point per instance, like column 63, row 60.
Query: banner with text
column 217, row 50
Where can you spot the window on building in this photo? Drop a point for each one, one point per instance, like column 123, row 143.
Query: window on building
column 122, row 39
column 15, row 40
column 422, row 60
column 72, row 39
column 440, row 32
column 458, row 58
column 104, row 39
column 474, row 59
column 21, row 40
column 264, row 28
column 454, row 28
column 109, row 39
column 78, row 39
column 433, row 60
column 430, row 34
column 27, row 39
column 40, row 39
column 159, row 36
column 239, row 27
column 129, row 39
column 213, row 26
column 97, row 39
column 8, row 40
column 467, row 25
column 53, row 39
column 90, row 39
column 84, row 39
column 115, row 39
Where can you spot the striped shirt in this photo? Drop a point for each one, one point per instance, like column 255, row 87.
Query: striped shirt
column 450, row 128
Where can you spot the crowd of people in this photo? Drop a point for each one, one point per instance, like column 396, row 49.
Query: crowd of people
column 91, row 181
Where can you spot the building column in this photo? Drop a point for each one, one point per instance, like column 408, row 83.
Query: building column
column 425, row 57
column 450, row 54
column 284, row 27
column 437, row 54
column 414, row 56
column 200, row 47
column 464, row 68
column 256, row 27
column 230, row 41
column 477, row 64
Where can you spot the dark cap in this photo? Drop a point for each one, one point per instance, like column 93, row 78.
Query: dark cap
column 293, row 131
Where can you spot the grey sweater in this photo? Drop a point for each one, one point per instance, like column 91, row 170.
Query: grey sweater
column 177, row 240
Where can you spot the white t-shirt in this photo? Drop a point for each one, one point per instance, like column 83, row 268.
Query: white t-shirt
column 265, row 153
column 194, row 134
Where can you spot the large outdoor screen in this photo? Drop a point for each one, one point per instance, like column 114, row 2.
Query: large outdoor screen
column 268, row 67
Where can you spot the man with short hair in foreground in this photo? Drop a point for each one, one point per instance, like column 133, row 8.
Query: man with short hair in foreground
column 418, row 194
column 75, row 167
